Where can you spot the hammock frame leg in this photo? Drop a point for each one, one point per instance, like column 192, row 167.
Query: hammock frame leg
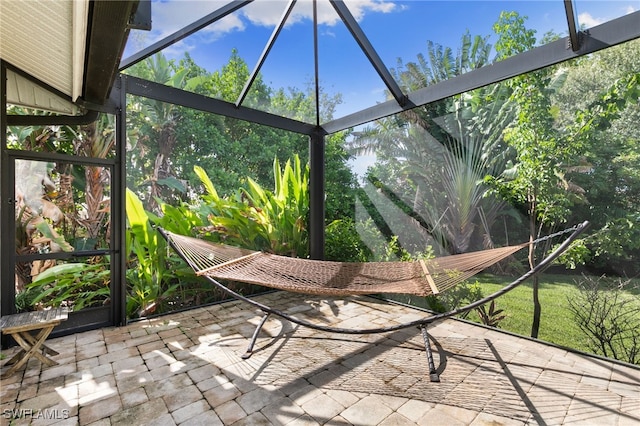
column 252, row 343
column 433, row 373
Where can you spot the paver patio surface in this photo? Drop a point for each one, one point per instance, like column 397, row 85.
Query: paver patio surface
column 185, row 369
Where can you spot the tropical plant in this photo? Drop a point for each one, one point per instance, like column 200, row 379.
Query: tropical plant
column 340, row 181
column 73, row 285
column 154, row 140
column 61, row 206
column 148, row 271
column 274, row 221
column 343, row 243
column 610, row 172
column 462, row 294
column 441, row 63
column 490, row 316
column 96, row 140
column 547, row 155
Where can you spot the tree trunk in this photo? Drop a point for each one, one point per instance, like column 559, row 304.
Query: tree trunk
column 162, row 165
column 537, row 307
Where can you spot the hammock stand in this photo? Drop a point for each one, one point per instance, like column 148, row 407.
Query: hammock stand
column 217, row 261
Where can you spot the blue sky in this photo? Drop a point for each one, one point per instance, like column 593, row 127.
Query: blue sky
column 397, row 29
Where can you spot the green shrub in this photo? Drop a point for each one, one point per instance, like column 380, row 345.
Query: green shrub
column 462, row 294
column 343, row 243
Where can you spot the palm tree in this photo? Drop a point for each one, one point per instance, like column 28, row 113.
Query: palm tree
column 163, row 118
column 445, row 149
column 97, row 140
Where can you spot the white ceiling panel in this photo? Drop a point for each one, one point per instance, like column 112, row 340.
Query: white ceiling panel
column 23, row 92
column 46, row 39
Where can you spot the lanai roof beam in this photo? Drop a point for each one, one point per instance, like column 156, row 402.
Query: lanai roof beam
column 609, row 34
column 160, row 92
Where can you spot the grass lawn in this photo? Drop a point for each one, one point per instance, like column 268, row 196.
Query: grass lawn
column 556, row 323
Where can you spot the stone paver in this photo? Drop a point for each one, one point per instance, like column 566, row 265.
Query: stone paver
column 185, row 369
column 323, row 408
column 282, row 411
column 105, row 407
column 369, row 410
column 187, row 412
column 257, row 399
column 146, row 413
column 230, row 412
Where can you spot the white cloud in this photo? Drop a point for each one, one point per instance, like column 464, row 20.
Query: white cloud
column 360, row 7
column 171, row 16
column 265, row 13
column 589, row 21
column 596, row 16
column 269, row 12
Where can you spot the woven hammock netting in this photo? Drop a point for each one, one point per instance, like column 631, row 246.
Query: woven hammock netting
column 420, row 278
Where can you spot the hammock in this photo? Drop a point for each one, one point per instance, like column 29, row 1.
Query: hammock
column 325, row 278
column 420, row 278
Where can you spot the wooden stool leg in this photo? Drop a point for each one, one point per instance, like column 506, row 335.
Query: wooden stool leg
column 23, row 355
column 31, row 347
column 16, row 357
column 47, row 350
column 38, row 341
column 34, row 340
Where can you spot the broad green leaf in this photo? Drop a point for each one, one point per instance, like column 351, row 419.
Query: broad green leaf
column 204, row 178
column 48, row 232
column 136, row 214
column 55, row 272
column 276, row 176
column 258, row 194
column 172, row 183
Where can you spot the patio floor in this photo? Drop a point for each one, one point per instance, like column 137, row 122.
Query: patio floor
column 185, row 368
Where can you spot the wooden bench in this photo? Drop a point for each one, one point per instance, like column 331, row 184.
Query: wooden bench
column 20, row 326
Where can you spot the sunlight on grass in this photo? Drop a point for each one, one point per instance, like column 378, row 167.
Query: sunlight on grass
column 557, row 325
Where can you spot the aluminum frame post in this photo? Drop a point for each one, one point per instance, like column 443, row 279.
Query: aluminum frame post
column 316, row 195
column 119, row 212
column 7, row 237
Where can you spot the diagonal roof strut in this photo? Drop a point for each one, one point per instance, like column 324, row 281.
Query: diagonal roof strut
column 183, row 33
column 265, row 52
column 574, row 36
column 369, row 51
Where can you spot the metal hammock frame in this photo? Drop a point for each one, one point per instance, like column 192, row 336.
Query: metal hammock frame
column 226, row 262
